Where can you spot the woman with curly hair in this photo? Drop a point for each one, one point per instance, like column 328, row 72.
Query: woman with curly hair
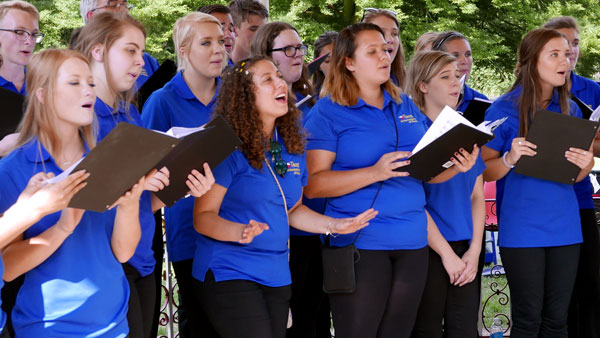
column 242, row 279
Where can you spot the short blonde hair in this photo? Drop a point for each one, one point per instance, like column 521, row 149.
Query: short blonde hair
column 20, row 5
column 423, row 67
column 185, row 31
column 425, row 41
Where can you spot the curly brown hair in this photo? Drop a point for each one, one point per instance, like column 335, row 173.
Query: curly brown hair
column 236, row 102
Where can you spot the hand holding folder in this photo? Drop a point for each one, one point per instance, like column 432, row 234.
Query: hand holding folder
column 129, row 152
column 553, row 134
column 448, row 133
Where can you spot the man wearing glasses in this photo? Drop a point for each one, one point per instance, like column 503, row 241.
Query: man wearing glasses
column 19, row 33
column 88, row 8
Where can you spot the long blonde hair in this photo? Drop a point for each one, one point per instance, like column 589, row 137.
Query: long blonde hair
column 106, row 28
column 39, row 118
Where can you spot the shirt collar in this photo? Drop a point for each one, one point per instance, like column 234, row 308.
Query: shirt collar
column 104, row 110
column 469, row 94
column 387, row 98
column 183, row 90
column 11, row 86
column 36, row 152
column 577, row 83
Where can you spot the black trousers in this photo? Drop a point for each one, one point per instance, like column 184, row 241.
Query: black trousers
column 309, row 304
column 193, row 321
column 244, row 309
column 457, row 307
column 584, row 311
column 389, row 285
column 10, row 290
column 142, row 299
column 541, row 284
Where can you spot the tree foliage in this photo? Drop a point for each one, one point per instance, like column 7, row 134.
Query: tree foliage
column 494, row 27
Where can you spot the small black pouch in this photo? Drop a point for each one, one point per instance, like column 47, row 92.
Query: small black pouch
column 338, row 268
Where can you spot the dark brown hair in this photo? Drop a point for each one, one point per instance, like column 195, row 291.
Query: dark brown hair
column 262, row 43
column 442, row 38
column 241, row 9
column 340, row 83
column 398, row 68
column 216, row 8
column 529, row 78
column 327, row 38
column 237, row 104
column 106, row 28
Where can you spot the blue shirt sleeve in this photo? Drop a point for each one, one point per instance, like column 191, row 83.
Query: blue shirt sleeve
column 155, row 114
column 225, row 172
column 9, row 192
column 322, row 134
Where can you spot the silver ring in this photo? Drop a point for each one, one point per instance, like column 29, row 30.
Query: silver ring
column 520, row 143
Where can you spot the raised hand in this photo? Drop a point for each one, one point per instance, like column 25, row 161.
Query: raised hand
column 463, row 160
column 158, row 181
column 581, row 158
column 518, row 148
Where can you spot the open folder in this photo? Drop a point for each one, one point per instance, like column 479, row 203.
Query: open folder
column 553, row 134
column 128, row 152
column 448, row 133
column 12, row 111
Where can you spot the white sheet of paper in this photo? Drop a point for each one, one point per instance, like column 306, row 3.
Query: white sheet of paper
column 63, row 175
column 179, row 132
column 301, row 102
column 595, row 115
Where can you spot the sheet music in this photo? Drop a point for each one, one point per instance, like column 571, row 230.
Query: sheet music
column 62, row 175
column 179, row 132
column 301, row 102
column 447, row 120
column 595, row 115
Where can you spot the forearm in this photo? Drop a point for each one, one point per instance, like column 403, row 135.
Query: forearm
column 478, row 211
column 14, row 222
column 495, row 169
column 304, row 219
column 214, row 226
column 335, row 183
column 444, row 175
column 24, row 255
column 126, row 231
column 436, row 241
column 157, row 204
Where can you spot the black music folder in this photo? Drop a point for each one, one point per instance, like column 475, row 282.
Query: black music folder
column 475, row 111
column 316, row 63
column 161, row 76
column 586, row 111
column 210, row 144
column 553, row 134
column 126, row 154
column 449, row 132
column 12, row 111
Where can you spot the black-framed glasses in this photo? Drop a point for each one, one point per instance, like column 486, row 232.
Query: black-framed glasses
column 115, row 5
column 290, row 51
column 24, row 35
column 377, row 10
column 275, row 150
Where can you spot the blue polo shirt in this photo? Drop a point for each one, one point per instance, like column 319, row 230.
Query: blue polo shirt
column 4, row 83
column 468, row 96
column 533, row 212
column 175, row 105
column 80, row 290
column 143, row 258
column 449, row 203
column 265, row 259
column 150, row 66
column 587, row 91
column 359, row 135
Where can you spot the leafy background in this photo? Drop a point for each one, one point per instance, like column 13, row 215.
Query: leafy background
column 494, row 27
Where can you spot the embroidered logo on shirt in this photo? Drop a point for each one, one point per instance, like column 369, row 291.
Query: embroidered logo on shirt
column 294, row 167
column 144, row 72
column 407, row 118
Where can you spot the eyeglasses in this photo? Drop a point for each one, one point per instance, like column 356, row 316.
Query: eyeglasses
column 290, row 51
column 376, row 10
column 114, row 5
column 23, row 35
column 275, row 151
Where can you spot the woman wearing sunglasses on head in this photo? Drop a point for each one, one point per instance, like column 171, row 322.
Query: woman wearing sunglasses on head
column 359, row 134
column 583, row 311
column 539, row 241
column 241, row 261
column 457, row 44
column 457, row 206
column 386, row 20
